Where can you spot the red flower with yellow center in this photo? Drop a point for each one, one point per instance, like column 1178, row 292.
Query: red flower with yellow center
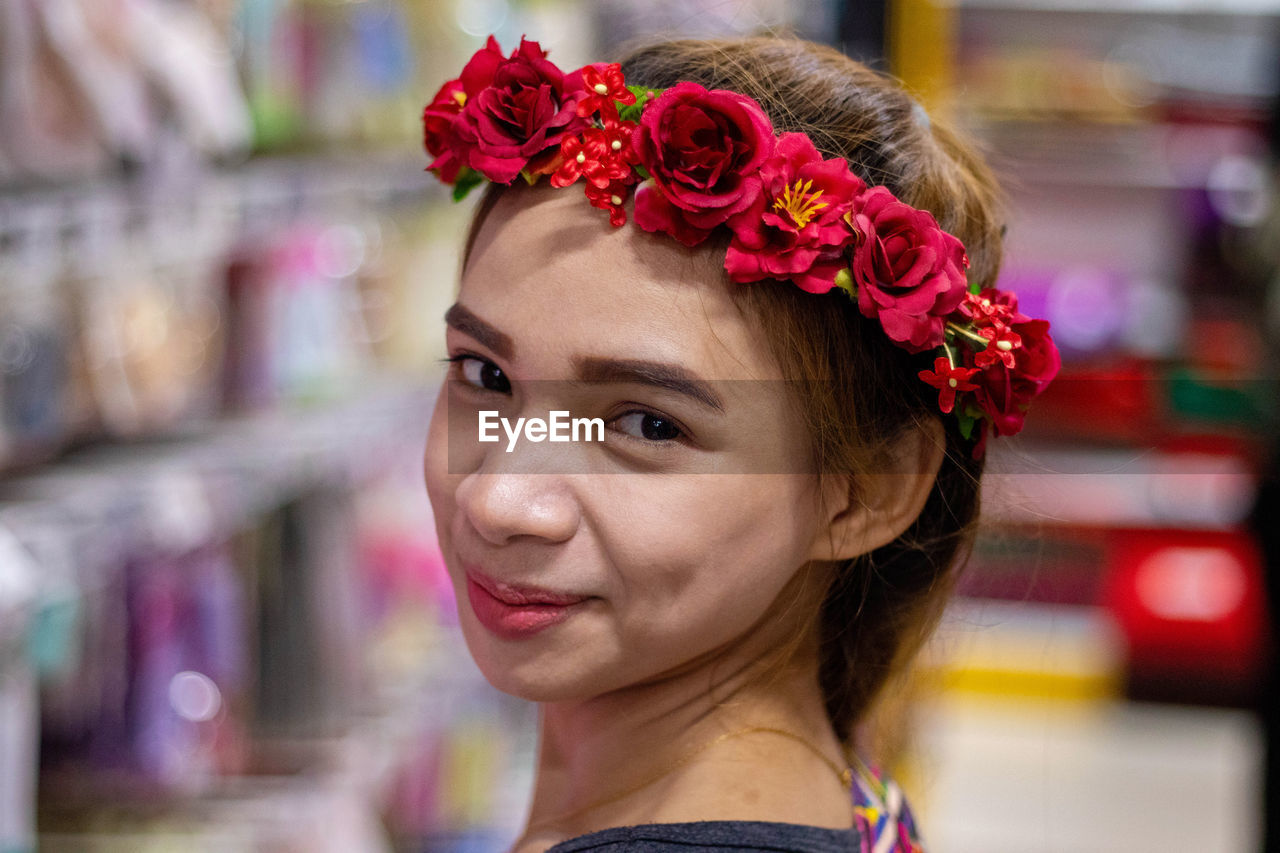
column 798, row 202
column 795, row 229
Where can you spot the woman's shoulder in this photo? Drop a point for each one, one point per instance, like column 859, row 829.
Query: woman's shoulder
column 721, row 836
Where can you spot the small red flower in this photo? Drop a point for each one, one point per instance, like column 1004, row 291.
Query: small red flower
column 619, row 156
column 977, row 307
column 992, row 306
column 1001, row 342
column 576, row 153
column 611, row 198
column 620, row 134
column 603, row 84
column 602, row 154
column 949, row 380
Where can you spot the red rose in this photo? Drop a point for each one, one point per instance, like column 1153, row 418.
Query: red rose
column 479, row 70
column 795, row 229
column 440, row 118
column 703, row 150
column 437, row 129
column 1004, row 392
column 515, row 110
column 909, row 273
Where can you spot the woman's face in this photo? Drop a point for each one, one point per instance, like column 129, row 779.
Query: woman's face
column 584, row 567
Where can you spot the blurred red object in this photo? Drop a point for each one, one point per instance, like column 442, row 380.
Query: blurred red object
column 1190, row 605
column 1121, row 402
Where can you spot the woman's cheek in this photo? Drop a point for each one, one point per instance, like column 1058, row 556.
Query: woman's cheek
column 689, row 536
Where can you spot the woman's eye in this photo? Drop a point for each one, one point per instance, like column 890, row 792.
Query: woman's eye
column 483, row 373
column 648, row 426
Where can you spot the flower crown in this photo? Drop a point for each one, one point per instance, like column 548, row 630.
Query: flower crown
column 702, row 161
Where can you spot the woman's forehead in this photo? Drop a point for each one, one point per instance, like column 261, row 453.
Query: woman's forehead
column 555, row 276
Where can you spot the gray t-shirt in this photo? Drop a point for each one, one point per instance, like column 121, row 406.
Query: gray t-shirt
column 720, row 836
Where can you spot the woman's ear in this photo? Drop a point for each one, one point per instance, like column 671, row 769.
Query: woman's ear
column 865, row 511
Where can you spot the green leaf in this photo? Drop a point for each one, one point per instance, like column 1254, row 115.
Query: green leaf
column 844, row 281
column 967, row 423
column 974, row 288
column 631, row 112
column 468, row 179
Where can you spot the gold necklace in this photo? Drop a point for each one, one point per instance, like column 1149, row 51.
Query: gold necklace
column 843, row 774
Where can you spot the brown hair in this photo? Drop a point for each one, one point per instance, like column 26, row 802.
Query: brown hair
column 880, row 606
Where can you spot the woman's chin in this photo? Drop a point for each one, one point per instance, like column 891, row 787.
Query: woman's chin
column 536, row 672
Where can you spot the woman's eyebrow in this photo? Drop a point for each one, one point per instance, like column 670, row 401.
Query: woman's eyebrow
column 667, row 376
column 465, row 321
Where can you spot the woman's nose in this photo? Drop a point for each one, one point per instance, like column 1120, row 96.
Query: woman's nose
column 502, row 506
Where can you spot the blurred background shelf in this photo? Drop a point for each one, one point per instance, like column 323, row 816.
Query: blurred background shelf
column 211, row 478
column 1120, row 487
column 1104, row 773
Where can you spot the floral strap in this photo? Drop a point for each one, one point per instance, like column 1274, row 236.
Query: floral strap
column 882, row 815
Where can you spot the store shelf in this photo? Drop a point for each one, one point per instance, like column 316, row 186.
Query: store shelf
column 1029, row 651
column 213, row 477
column 1082, row 486
column 213, row 202
column 1117, row 156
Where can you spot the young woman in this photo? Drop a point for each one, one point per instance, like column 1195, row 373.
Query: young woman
column 787, row 330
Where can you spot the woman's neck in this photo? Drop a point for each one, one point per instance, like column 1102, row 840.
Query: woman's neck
column 737, row 735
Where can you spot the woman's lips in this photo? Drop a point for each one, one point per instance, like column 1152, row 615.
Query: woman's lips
column 516, row 612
